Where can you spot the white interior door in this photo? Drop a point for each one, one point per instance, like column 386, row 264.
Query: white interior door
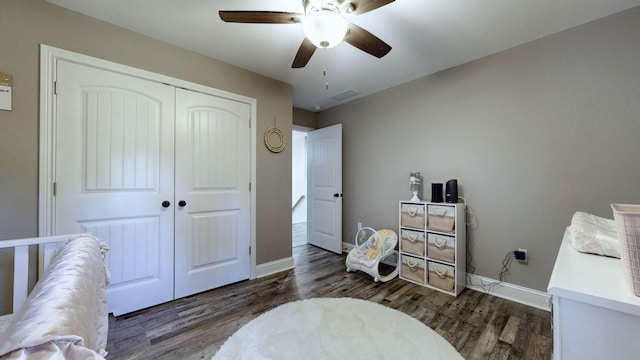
column 114, row 167
column 213, row 213
column 324, row 181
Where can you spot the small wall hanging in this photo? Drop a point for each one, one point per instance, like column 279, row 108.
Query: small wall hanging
column 267, row 138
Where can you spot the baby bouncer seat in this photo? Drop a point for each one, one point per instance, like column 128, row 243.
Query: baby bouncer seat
column 367, row 254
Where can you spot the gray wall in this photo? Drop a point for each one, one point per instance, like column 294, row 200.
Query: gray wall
column 24, row 24
column 532, row 134
column 305, row 118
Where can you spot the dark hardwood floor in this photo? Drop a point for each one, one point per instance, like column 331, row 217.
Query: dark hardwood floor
column 478, row 325
column 299, row 234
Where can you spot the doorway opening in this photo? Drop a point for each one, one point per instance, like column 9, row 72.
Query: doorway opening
column 299, row 186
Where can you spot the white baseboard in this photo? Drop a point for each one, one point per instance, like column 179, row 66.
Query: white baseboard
column 346, row 247
column 517, row 293
column 274, row 267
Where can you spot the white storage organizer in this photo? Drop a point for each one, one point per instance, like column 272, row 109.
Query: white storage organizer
column 433, row 245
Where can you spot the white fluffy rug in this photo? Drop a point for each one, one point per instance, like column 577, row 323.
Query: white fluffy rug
column 341, row 328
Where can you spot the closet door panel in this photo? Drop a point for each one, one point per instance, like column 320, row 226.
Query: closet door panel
column 114, row 166
column 132, row 242
column 212, row 178
column 213, row 225
column 215, row 149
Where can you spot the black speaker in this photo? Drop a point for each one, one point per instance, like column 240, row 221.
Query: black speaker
column 436, row 192
column 451, row 191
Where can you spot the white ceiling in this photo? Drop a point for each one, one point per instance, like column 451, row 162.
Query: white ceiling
column 426, row 36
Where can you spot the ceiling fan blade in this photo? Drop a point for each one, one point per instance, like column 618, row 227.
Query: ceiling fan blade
column 364, row 6
column 261, row 17
column 366, row 41
column 304, row 54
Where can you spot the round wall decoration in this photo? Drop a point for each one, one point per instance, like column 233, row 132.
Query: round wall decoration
column 276, row 148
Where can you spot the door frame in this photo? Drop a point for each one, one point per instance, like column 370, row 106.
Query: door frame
column 49, row 56
column 306, row 130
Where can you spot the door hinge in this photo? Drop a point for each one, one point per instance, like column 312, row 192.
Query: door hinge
column 54, row 189
column 249, row 250
column 249, row 187
column 55, row 88
column 249, row 123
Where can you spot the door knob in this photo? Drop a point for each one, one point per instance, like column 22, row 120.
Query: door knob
column 182, row 203
column 166, row 204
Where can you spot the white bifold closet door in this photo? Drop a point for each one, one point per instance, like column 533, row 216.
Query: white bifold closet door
column 212, row 192
column 160, row 174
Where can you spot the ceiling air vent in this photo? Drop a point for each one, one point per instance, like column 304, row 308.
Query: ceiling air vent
column 344, row 95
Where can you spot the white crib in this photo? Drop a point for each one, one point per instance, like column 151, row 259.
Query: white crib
column 71, row 275
column 47, row 246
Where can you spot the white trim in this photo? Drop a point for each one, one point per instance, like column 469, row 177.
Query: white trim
column 48, row 58
column 46, row 200
column 274, row 267
column 301, row 128
column 517, row 293
column 253, row 155
column 4, row 244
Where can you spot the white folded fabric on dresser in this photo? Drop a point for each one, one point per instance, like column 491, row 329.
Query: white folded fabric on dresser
column 593, row 235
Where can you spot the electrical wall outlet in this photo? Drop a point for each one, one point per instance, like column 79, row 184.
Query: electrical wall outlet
column 524, row 258
column 359, row 225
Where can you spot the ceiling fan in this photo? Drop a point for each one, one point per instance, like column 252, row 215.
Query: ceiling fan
column 324, row 23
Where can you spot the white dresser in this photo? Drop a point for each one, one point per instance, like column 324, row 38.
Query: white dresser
column 595, row 314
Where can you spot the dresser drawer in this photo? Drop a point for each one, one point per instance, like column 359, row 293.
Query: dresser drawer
column 412, row 242
column 441, row 247
column 413, row 269
column 413, row 215
column 441, row 276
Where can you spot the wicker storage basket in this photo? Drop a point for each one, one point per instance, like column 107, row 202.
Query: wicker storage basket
column 413, row 216
column 442, row 276
column 413, row 269
column 412, row 242
column 441, row 218
column 627, row 219
column 441, row 247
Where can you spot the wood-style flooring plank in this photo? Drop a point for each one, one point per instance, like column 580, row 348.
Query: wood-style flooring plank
column 510, row 330
column 478, row 325
column 539, row 345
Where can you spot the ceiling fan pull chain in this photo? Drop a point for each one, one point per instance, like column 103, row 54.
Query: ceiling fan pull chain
column 324, row 70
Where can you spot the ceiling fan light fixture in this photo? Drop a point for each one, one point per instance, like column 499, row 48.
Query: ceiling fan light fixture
column 325, row 28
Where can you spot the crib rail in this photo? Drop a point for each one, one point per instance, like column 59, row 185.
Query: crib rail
column 47, row 246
